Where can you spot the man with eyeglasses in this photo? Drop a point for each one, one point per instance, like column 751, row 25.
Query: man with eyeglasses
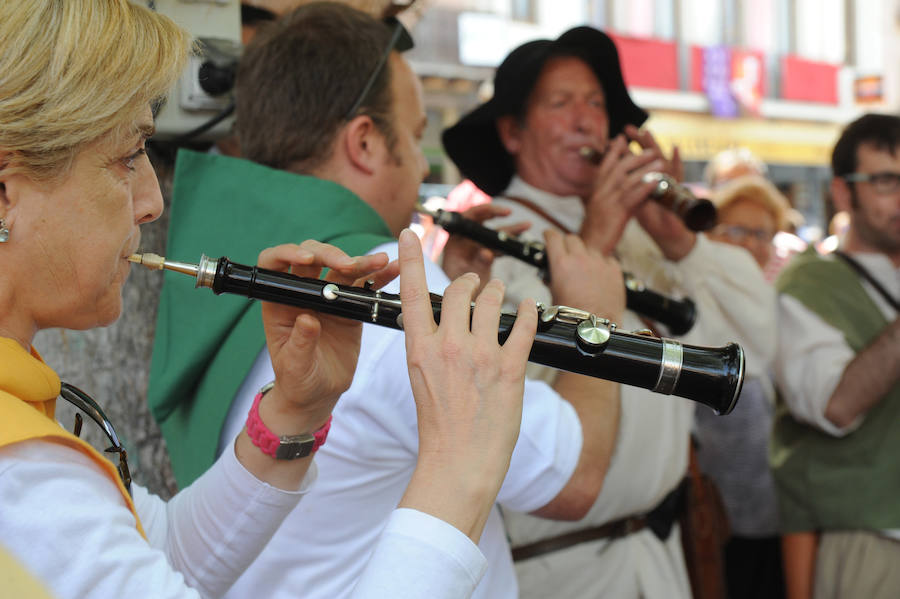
column 327, row 104
column 836, row 439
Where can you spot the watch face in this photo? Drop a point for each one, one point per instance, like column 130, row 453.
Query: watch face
column 295, row 446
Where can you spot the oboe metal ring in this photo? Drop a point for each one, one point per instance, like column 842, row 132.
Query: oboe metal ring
column 206, row 272
column 670, row 366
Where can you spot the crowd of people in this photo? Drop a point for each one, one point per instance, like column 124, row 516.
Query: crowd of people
column 310, row 462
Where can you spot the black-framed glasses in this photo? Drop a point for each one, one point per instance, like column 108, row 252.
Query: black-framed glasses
column 401, row 41
column 884, row 182
column 86, row 404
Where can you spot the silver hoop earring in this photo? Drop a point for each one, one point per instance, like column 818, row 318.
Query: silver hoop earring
column 4, row 231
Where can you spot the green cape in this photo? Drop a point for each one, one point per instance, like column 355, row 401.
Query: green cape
column 205, row 344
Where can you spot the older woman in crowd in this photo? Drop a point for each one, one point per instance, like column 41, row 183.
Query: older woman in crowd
column 733, row 451
column 78, row 81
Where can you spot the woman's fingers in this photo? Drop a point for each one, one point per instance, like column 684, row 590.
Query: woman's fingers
column 518, row 344
column 310, row 257
column 486, row 315
column 418, row 317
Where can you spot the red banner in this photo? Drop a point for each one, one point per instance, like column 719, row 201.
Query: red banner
column 809, row 81
column 648, row 62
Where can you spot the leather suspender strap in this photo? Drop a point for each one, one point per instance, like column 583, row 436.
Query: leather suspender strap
column 864, row 273
column 540, row 212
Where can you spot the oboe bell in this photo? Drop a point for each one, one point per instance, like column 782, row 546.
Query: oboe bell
column 698, row 214
column 566, row 338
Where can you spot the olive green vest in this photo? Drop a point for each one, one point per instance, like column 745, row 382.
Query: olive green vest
column 825, row 482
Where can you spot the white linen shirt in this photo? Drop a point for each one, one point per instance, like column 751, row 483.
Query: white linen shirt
column 367, row 463
column 812, row 354
column 64, row 519
column 650, row 457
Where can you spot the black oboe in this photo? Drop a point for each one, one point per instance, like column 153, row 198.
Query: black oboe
column 677, row 315
column 567, row 338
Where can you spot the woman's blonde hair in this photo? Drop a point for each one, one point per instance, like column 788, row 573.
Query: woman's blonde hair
column 72, row 72
column 756, row 189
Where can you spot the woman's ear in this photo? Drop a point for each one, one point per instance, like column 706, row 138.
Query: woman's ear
column 12, row 187
column 3, row 197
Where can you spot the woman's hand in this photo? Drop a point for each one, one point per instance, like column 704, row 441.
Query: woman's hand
column 313, row 354
column 468, row 391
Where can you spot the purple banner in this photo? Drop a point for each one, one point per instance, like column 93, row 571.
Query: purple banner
column 717, row 81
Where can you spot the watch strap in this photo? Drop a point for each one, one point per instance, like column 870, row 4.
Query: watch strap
column 286, row 447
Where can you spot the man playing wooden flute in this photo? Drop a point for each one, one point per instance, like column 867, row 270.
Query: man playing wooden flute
column 553, row 144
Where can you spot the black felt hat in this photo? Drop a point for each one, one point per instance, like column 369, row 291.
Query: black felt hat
column 474, row 144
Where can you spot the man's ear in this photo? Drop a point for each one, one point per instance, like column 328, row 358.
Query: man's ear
column 509, row 130
column 363, row 144
column 841, row 195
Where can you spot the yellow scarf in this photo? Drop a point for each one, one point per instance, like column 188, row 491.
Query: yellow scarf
column 17, row 581
column 28, row 392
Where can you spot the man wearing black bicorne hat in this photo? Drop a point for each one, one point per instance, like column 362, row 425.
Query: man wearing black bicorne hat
column 553, row 146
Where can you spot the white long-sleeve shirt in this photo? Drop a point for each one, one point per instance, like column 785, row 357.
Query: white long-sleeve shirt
column 62, row 517
column 812, row 354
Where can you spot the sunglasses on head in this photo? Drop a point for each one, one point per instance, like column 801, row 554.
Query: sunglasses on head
column 401, row 41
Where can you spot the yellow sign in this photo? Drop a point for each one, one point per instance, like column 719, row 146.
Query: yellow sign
column 700, row 137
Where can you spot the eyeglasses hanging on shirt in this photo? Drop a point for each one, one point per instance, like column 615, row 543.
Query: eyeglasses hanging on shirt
column 86, row 404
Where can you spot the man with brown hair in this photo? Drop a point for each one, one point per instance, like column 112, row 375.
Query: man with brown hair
column 837, row 431
column 335, row 113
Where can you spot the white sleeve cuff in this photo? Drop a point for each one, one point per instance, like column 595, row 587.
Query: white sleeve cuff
column 239, row 477
column 421, row 556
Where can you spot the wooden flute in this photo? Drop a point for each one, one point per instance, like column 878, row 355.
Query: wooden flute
column 698, row 214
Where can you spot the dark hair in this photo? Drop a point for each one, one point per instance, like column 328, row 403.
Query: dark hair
column 879, row 130
column 300, row 76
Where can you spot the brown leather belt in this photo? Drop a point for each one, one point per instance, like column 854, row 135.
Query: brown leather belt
column 659, row 520
column 610, row 530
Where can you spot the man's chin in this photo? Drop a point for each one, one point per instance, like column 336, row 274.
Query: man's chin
column 580, row 185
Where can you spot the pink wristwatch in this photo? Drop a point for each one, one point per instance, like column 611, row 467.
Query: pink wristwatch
column 287, row 447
